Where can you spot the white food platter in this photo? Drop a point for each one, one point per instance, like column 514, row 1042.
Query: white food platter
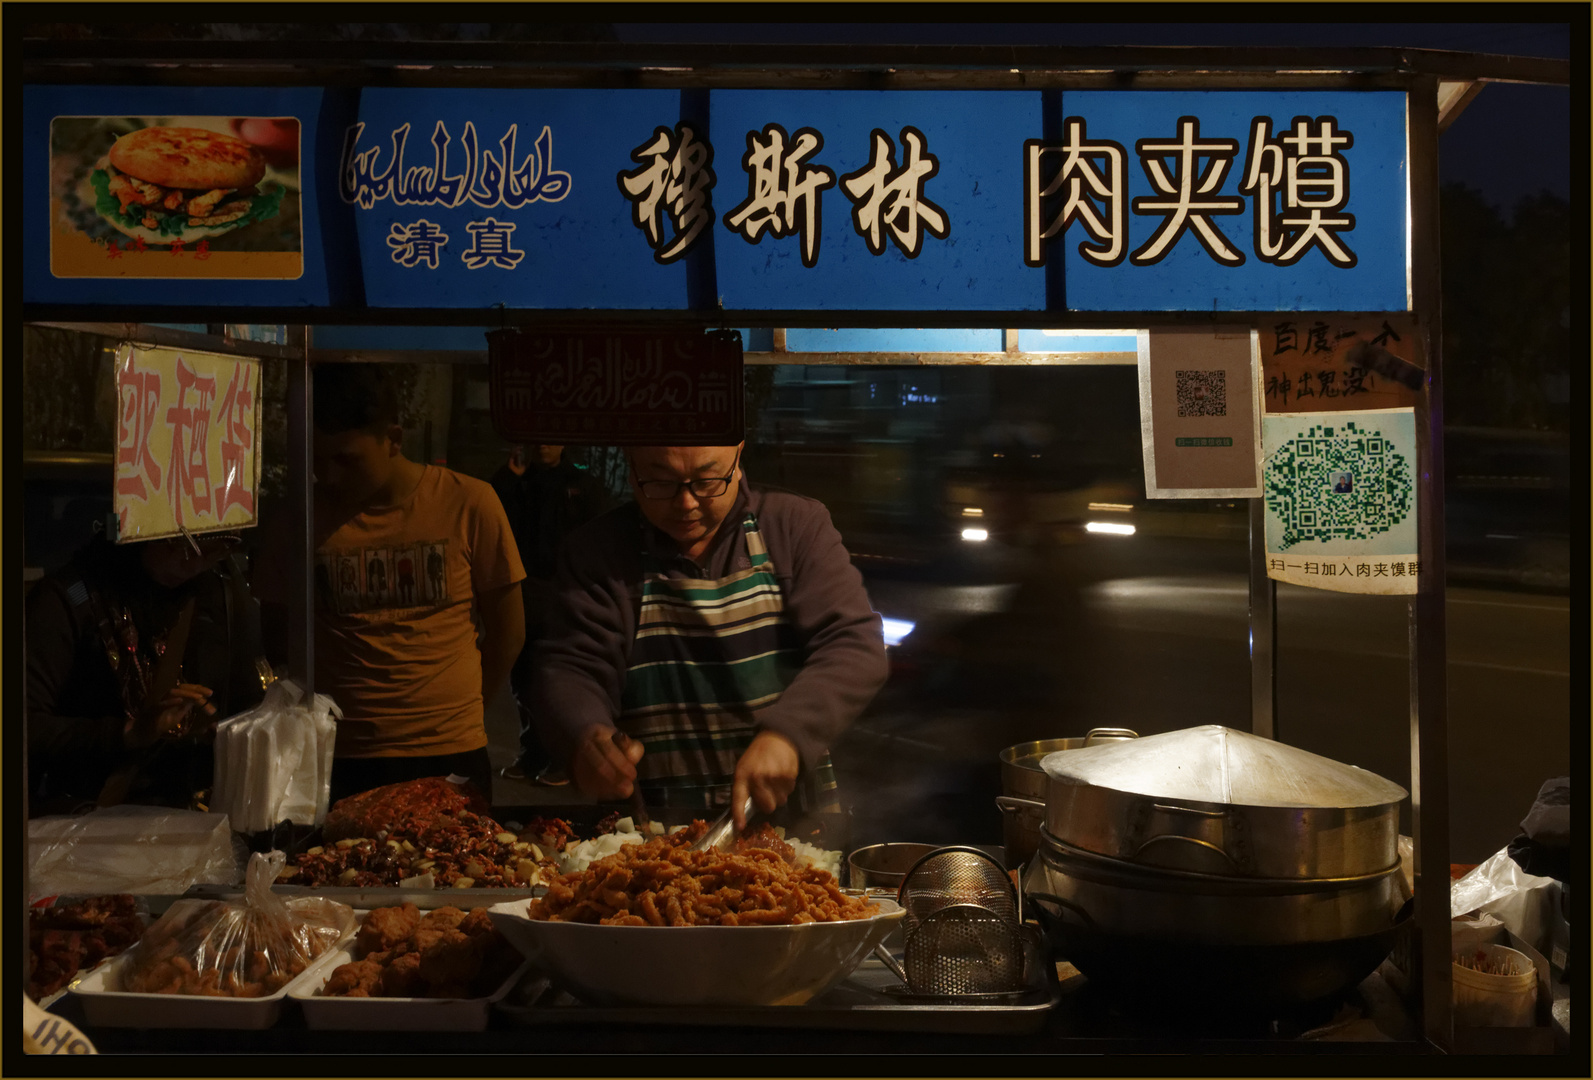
column 106, row 1004
column 391, row 1014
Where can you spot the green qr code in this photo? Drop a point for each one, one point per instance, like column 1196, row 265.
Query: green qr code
column 1338, row 482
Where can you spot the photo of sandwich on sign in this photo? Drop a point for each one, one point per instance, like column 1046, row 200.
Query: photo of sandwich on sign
column 202, row 196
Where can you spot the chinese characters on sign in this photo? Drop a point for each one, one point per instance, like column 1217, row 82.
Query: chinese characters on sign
column 676, row 177
column 186, row 441
column 747, row 199
column 486, row 180
column 1340, row 500
column 1293, row 180
column 664, row 387
column 782, row 189
column 1296, row 181
column 1328, row 363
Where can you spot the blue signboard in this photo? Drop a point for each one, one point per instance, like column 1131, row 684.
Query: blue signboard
column 472, row 198
column 733, row 200
column 1236, row 201
column 906, row 201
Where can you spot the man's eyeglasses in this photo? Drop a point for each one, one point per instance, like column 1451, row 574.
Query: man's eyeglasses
column 704, row 487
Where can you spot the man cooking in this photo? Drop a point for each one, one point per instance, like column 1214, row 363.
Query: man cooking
column 720, row 628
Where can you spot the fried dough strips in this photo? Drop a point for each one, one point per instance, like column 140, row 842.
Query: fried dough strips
column 662, row 882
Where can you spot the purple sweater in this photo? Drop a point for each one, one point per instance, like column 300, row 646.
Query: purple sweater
column 579, row 667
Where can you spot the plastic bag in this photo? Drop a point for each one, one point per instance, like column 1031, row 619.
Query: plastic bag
column 274, row 762
column 132, row 849
column 248, row 948
column 1525, row 904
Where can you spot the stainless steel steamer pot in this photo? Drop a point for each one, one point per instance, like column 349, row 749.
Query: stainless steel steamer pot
column 1115, row 898
column 1218, row 801
column 1220, row 946
column 1023, row 787
column 1209, row 864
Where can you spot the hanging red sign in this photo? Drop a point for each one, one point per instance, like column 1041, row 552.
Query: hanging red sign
column 617, row 387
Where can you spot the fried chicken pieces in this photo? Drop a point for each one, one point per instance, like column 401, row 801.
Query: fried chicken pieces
column 213, row 948
column 445, row 953
column 73, row 937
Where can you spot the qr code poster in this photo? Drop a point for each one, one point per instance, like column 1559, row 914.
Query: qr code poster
column 1200, row 413
column 1340, row 500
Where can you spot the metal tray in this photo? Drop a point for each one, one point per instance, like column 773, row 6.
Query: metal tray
column 391, row 1014
column 864, row 1001
column 106, row 1005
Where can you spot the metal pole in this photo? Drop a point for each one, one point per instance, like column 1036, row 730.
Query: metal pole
column 301, row 577
column 1428, row 659
column 1263, row 630
column 26, row 951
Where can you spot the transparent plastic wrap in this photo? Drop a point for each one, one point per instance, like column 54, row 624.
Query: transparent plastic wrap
column 248, row 948
column 274, row 762
column 150, row 850
column 1527, row 905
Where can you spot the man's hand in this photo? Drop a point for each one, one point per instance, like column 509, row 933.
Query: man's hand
column 600, row 769
column 168, row 716
column 767, row 770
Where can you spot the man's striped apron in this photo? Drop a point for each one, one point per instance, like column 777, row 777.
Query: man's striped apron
column 708, row 654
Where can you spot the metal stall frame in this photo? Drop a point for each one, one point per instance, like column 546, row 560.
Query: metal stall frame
column 1437, row 86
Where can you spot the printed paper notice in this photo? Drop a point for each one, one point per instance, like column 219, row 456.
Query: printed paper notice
column 1199, row 413
column 1340, row 500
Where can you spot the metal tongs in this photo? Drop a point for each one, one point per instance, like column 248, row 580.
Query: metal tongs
column 723, row 827
column 638, row 810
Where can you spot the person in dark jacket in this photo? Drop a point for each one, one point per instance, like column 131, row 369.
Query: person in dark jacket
column 98, row 730
column 545, row 496
column 710, row 643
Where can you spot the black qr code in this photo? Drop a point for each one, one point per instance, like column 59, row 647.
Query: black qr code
column 1202, row 393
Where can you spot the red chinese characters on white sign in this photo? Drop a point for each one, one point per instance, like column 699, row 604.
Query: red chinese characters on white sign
column 187, row 442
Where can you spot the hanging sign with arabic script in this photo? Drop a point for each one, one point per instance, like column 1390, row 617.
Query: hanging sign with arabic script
column 617, row 387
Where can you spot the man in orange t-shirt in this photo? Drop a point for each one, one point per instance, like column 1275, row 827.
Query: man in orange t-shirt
column 411, row 560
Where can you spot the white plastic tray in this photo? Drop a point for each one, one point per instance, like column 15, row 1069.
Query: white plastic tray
column 391, row 1014
column 106, row 1005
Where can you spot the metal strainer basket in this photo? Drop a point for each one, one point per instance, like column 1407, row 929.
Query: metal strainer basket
column 965, row 949
column 961, row 924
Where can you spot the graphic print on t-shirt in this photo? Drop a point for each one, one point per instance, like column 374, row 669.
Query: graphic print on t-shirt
column 377, row 579
column 366, row 579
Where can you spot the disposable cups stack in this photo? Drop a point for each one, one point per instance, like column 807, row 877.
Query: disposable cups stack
column 274, row 762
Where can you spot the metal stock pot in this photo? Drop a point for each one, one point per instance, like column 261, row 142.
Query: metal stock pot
column 1207, row 858
column 1218, row 801
column 1023, row 787
column 1204, row 942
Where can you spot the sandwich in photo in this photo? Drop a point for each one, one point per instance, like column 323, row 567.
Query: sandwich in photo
column 170, row 184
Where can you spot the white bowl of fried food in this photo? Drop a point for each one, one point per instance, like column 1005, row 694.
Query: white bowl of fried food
column 659, row 924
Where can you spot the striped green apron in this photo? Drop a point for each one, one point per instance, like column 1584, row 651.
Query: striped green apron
column 708, row 655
